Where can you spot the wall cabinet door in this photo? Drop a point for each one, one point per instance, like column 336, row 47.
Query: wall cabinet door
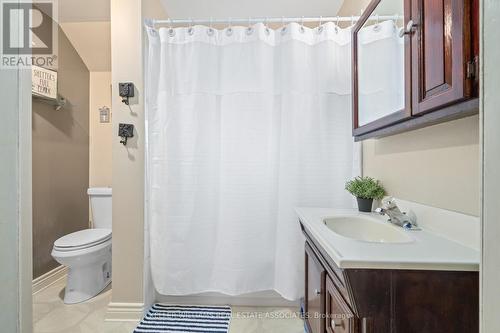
column 314, row 292
column 441, row 53
column 381, row 66
column 422, row 60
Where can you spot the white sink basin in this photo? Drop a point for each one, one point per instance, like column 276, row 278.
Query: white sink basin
column 366, row 229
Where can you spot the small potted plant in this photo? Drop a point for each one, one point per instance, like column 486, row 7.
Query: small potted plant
column 365, row 189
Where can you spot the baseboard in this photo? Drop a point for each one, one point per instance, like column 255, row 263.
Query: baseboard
column 264, row 299
column 49, row 278
column 125, row 312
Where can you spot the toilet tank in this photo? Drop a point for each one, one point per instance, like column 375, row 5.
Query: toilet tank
column 101, row 204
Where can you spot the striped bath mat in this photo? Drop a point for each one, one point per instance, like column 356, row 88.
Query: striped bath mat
column 164, row 318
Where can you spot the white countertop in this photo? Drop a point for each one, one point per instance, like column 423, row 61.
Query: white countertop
column 427, row 251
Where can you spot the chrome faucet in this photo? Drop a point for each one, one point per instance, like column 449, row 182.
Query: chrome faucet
column 391, row 209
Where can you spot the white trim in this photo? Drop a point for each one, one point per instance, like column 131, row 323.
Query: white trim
column 125, row 312
column 49, row 278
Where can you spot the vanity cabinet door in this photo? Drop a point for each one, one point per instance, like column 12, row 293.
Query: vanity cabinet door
column 442, row 53
column 339, row 317
column 314, row 292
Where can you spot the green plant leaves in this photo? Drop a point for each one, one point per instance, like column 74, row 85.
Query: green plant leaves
column 365, row 188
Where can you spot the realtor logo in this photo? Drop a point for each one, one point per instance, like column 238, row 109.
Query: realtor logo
column 29, row 33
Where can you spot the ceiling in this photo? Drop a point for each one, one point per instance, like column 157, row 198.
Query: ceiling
column 83, row 10
column 254, row 8
column 86, row 23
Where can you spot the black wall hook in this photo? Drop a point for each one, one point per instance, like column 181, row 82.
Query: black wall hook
column 126, row 90
column 125, row 131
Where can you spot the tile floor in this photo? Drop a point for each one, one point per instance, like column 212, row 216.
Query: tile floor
column 51, row 315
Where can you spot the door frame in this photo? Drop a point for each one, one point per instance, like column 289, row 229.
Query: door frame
column 19, row 94
column 490, row 164
column 25, row 204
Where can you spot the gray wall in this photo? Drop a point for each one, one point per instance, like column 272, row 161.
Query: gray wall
column 61, row 159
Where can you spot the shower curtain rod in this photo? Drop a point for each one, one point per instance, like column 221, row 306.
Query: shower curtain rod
column 251, row 20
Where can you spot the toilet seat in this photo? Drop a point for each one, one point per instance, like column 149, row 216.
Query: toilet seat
column 82, row 239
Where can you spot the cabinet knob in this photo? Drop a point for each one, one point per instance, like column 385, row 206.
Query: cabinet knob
column 410, row 28
column 317, row 291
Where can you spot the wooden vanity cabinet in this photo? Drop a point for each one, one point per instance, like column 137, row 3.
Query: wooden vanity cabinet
column 386, row 300
column 441, row 57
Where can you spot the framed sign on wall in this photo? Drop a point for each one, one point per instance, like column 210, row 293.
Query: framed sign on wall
column 44, row 82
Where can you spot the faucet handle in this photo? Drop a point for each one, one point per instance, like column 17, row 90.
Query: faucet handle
column 388, row 203
column 380, row 210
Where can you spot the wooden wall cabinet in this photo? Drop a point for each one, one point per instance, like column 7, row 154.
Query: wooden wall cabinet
column 386, row 300
column 441, row 50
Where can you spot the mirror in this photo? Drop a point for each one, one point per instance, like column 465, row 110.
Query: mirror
column 380, row 63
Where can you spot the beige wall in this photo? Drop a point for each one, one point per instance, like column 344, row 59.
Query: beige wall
column 438, row 166
column 127, row 38
column 128, row 161
column 61, row 159
column 357, row 7
column 100, row 133
column 385, row 7
column 353, row 7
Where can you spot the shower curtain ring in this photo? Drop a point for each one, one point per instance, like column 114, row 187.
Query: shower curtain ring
column 229, row 30
column 302, row 25
column 191, row 29
column 249, row 27
column 337, row 25
column 210, row 30
column 283, row 29
column 171, row 31
column 266, row 27
column 320, row 28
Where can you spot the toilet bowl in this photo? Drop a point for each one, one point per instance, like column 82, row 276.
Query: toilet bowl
column 87, row 253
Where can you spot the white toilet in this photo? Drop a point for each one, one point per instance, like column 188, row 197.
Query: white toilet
column 87, row 253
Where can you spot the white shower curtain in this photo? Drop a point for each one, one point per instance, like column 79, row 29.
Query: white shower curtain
column 243, row 125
